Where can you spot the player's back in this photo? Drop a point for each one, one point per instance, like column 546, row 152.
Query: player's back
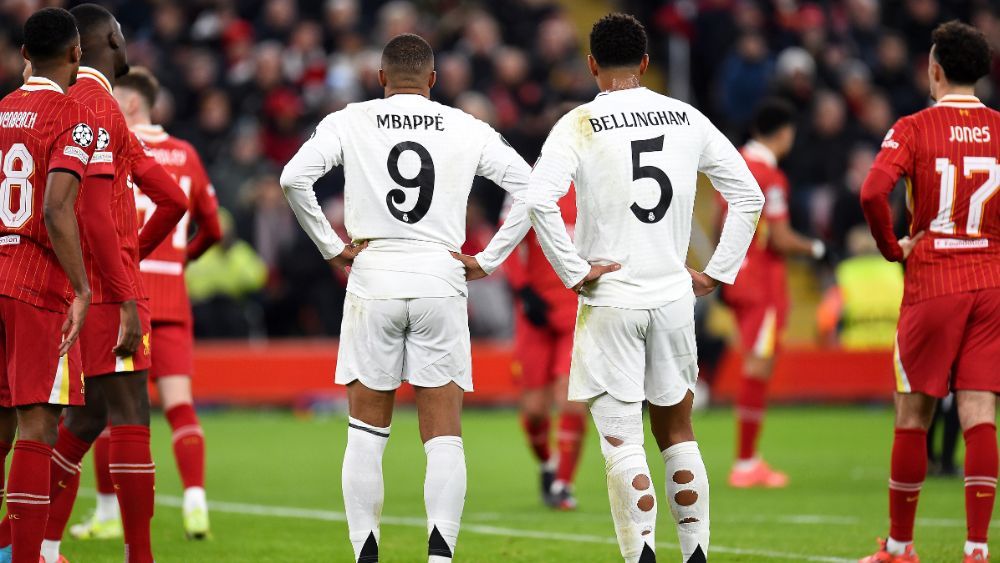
column 638, row 156
column 33, row 119
column 408, row 164
column 954, row 176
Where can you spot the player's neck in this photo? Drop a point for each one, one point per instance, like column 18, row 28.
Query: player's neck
column 391, row 91
column 610, row 81
column 107, row 69
column 61, row 78
column 955, row 90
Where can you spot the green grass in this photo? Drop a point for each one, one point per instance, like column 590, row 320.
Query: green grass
column 835, row 507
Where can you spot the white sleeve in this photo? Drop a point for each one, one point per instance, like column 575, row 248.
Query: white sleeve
column 313, row 160
column 729, row 174
column 550, row 180
column 501, row 164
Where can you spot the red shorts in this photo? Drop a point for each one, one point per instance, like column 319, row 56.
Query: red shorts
column 173, row 344
column 100, row 335
column 31, row 370
column 760, row 325
column 541, row 354
column 949, row 342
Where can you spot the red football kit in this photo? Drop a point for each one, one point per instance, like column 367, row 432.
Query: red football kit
column 759, row 298
column 42, row 130
column 543, row 353
column 112, row 255
column 163, row 270
column 949, row 327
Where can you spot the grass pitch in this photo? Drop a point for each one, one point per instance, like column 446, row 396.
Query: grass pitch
column 275, row 482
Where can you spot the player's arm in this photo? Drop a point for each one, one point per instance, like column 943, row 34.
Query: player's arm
column 97, row 225
column 727, row 170
column 162, row 189
column 205, row 212
column 894, row 160
column 312, row 161
column 549, row 182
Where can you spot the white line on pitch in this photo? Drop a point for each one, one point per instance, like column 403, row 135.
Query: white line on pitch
column 333, row 516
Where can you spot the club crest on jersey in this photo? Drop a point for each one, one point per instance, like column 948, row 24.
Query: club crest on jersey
column 888, row 142
column 83, row 135
column 103, row 139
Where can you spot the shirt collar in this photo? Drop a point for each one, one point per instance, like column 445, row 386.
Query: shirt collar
column 36, row 83
column 94, row 74
column 758, row 151
column 959, row 101
column 150, row 133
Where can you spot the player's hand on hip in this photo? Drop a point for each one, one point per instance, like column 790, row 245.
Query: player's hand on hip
column 74, row 322
column 907, row 244
column 703, row 283
column 131, row 330
column 473, row 271
column 596, row 271
column 346, row 257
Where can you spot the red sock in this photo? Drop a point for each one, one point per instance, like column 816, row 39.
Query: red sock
column 28, row 498
column 909, row 467
column 189, row 445
column 102, row 449
column 980, row 479
column 133, row 473
column 750, row 405
column 569, row 442
column 65, row 480
column 4, row 450
column 537, row 430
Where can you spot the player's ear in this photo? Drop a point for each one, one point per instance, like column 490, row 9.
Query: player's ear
column 432, row 79
column 592, row 64
column 644, row 64
column 381, row 78
column 113, row 40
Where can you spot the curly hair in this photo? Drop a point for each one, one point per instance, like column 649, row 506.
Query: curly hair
column 962, row 51
column 48, row 33
column 618, row 40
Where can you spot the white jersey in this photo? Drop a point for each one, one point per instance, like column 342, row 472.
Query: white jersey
column 408, row 165
column 634, row 156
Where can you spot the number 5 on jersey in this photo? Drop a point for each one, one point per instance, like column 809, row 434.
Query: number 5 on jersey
column 639, row 172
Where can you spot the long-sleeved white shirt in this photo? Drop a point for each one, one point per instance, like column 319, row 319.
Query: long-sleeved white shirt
column 634, row 156
column 408, row 165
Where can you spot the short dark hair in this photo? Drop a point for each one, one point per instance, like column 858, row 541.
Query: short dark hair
column 770, row 116
column 407, row 54
column 48, row 32
column 618, row 40
column 91, row 17
column 962, row 51
column 143, row 82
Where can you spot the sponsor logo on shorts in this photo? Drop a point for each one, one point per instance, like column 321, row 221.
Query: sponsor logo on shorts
column 10, row 240
column 954, row 243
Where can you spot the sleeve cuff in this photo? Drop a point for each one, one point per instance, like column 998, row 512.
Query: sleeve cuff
column 485, row 264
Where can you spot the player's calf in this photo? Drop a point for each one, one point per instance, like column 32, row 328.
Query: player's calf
column 363, row 487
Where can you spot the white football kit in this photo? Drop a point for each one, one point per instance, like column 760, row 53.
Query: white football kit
column 408, row 165
column 634, row 156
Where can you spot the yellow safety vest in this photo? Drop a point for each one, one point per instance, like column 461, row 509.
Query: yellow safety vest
column 871, row 289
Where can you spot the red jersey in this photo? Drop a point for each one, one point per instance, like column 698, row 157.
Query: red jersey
column 529, row 267
column 41, row 130
column 163, row 270
column 118, row 153
column 762, row 276
column 948, row 154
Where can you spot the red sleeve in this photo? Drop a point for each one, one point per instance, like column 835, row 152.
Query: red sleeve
column 896, row 156
column 205, row 213
column 73, row 148
column 875, row 204
column 159, row 186
column 103, row 243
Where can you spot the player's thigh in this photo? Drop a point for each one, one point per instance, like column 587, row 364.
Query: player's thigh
column 609, row 354
column 759, row 324
column 127, row 396
column 976, row 368
column 533, row 355
column 34, row 372
column 671, row 353
column 929, row 336
column 100, row 335
column 171, row 350
column 439, row 410
column 438, row 347
column 372, row 342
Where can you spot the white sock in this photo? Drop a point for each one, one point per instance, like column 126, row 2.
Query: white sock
column 971, row 546
column 444, row 495
column 746, row 464
column 687, row 494
column 361, row 480
column 896, row 547
column 50, row 550
column 107, row 507
column 194, row 499
column 630, row 488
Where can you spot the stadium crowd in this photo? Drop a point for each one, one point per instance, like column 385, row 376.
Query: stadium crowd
column 249, row 79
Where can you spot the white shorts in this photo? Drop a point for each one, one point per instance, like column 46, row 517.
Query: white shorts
column 635, row 354
column 425, row 341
